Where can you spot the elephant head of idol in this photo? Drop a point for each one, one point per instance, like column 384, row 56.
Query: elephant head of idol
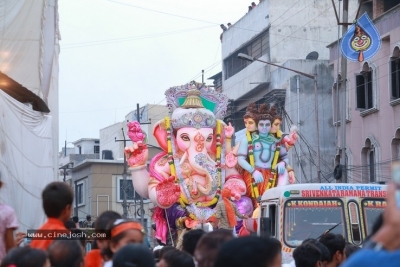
column 193, row 126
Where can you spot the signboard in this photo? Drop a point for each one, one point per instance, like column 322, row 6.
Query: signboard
column 346, row 191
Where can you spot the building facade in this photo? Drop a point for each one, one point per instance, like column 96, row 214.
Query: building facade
column 372, row 101
column 294, row 35
column 95, row 169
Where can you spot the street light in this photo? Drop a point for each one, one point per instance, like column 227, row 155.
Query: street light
column 314, row 77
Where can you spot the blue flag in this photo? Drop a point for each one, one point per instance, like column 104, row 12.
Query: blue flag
column 362, row 40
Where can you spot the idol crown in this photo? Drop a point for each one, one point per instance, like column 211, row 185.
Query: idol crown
column 197, row 118
column 197, row 96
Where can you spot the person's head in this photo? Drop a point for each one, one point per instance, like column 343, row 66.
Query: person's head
column 88, row 218
column 80, row 236
column 307, row 255
column 70, row 224
column 123, row 232
column 165, row 249
column 157, row 252
column 137, row 255
column 208, row 246
column 190, row 240
column 253, row 4
column 66, row 253
column 26, row 257
column 229, row 24
column 176, row 258
column 350, row 249
column 57, row 200
column 101, row 223
column 250, row 251
column 336, row 246
column 325, row 254
column 75, row 219
column 250, row 117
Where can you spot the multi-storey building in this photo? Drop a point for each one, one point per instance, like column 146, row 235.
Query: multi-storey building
column 372, row 129
column 293, row 34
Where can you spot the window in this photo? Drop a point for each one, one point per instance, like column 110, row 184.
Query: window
column 372, row 208
column 395, row 74
column 80, row 149
column 364, row 90
column 388, row 4
column 337, row 97
column 306, row 218
column 131, row 195
column 370, row 155
column 396, row 145
column 256, row 48
column 355, row 229
column 371, row 163
column 272, row 217
column 96, row 149
column 80, row 193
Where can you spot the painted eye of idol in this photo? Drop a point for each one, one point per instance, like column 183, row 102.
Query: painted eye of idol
column 209, row 138
column 185, row 137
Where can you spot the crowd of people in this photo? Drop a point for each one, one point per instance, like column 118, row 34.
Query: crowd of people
column 125, row 246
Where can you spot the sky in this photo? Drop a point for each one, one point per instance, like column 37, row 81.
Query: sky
column 117, row 53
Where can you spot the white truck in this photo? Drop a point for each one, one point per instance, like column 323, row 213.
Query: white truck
column 296, row 212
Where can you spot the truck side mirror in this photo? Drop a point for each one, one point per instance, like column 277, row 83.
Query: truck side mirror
column 265, row 227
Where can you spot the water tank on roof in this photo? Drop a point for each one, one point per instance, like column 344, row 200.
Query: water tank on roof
column 106, row 154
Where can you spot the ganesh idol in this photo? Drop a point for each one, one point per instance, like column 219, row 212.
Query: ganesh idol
column 185, row 180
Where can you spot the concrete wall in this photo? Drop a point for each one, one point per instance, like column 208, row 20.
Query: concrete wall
column 100, row 187
column 107, row 140
column 86, row 144
column 382, row 124
column 284, row 79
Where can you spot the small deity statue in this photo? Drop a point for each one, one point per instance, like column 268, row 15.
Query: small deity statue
column 261, row 153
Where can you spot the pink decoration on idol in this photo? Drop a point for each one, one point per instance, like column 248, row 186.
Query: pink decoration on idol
column 245, row 205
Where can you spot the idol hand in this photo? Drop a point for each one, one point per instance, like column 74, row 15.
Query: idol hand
column 281, row 167
column 258, row 177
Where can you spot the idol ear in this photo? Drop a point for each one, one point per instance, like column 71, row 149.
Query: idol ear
column 160, row 133
column 214, row 143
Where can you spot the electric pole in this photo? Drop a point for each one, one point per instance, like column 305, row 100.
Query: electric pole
column 141, row 198
column 124, row 201
column 124, row 180
column 343, row 86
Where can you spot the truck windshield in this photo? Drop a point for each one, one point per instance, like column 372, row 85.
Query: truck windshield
column 371, row 210
column 310, row 218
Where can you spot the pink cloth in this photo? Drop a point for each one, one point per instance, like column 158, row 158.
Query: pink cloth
column 161, row 225
column 8, row 220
